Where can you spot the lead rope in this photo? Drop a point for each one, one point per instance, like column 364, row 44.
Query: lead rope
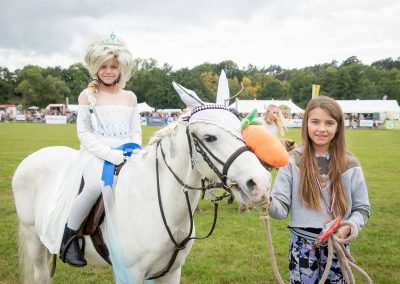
column 265, row 218
column 346, row 261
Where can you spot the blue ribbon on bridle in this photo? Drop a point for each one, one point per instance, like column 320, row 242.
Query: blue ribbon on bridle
column 109, row 168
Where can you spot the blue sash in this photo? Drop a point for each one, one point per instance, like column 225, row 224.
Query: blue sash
column 109, row 168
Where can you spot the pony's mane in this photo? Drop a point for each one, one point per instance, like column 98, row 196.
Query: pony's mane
column 167, row 131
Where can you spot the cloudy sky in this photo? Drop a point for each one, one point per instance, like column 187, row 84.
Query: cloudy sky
column 186, row 33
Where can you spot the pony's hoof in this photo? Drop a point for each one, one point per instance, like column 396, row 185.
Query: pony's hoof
column 244, row 209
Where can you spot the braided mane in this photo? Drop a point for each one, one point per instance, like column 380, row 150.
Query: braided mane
column 167, row 131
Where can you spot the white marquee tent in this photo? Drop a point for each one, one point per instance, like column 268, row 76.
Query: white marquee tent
column 369, row 106
column 245, row 106
column 144, row 107
column 170, row 110
column 73, row 108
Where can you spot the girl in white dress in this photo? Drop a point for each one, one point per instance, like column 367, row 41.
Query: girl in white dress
column 108, row 119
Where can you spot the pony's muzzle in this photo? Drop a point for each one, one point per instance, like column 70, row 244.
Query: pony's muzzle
column 259, row 190
column 251, row 184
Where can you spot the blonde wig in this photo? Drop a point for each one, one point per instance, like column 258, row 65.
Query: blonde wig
column 105, row 48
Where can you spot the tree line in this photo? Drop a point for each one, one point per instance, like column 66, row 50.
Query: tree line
column 34, row 85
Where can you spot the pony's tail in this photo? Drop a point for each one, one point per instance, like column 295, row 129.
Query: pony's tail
column 25, row 265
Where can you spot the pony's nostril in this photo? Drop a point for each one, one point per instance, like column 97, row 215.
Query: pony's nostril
column 250, row 184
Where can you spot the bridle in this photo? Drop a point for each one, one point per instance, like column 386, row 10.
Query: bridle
column 205, row 152
column 206, row 184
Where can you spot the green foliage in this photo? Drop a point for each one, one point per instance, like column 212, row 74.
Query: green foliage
column 237, row 250
column 151, row 83
column 7, row 85
column 272, row 88
column 352, row 60
column 40, row 89
column 6, row 91
column 300, row 86
column 160, row 93
column 192, row 80
column 77, row 78
column 140, row 80
column 387, row 63
column 277, row 71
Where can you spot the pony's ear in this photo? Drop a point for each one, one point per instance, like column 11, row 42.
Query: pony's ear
column 223, row 90
column 188, row 97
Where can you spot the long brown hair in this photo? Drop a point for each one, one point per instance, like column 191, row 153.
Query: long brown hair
column 309, row 171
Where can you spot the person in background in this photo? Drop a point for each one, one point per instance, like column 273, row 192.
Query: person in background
column 274, row 121
column 108, row 120
column 321, row 182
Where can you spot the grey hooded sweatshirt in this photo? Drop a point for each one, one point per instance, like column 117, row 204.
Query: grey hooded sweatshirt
column 285, row 195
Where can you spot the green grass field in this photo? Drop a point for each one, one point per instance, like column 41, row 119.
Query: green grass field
column 237, row 251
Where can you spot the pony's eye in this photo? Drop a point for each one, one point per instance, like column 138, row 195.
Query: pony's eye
column 209, row 138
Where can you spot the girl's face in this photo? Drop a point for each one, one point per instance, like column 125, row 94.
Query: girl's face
column 109, row 71
column 273, row 114
column 321, row 129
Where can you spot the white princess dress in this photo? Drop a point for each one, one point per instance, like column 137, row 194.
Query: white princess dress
column 106, row 128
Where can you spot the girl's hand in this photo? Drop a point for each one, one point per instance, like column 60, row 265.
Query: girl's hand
column 343, row 232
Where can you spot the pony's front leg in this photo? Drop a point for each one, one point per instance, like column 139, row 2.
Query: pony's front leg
column 173, row 277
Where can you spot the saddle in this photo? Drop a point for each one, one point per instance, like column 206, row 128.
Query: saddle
column 91, row 225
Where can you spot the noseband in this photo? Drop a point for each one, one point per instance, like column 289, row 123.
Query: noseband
column 202, row 149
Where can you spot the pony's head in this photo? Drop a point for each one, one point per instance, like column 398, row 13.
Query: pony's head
column 218, row 151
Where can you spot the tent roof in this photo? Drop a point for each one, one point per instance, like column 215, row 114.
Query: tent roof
column 55, row 105
column 170, row 110
column 144, row 107
column 73, row 107
column 368, row 106
column 246, row 106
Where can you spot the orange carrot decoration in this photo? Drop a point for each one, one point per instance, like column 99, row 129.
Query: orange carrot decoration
column 265, row 145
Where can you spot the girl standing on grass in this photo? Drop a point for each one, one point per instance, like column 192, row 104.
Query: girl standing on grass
column 274, row 121
column 321, row 181
column 108, row 126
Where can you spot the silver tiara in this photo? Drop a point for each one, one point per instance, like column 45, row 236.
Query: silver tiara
column 112, row 39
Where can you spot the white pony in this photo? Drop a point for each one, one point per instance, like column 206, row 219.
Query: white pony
column 205, row 144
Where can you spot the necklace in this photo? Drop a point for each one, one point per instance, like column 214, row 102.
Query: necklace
column 329, row 208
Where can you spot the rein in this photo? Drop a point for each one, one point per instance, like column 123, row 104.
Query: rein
column 182, row 245
column 211, row 185
column 203, row 150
